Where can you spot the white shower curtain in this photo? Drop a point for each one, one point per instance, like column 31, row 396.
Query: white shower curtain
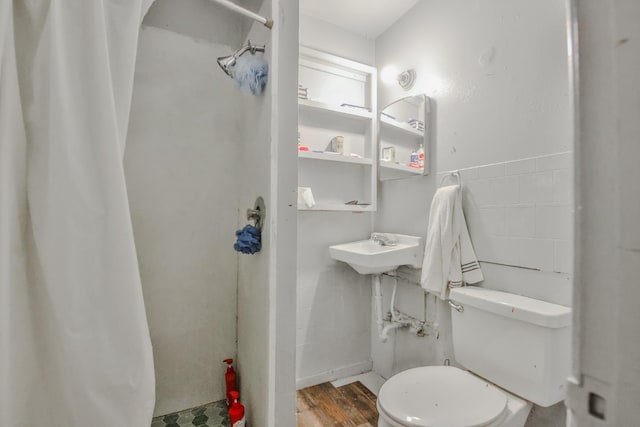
column 74, row 341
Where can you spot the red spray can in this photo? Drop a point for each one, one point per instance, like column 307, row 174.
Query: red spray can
column 230, row 380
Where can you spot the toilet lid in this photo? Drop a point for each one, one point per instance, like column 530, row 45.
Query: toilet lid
column 435, row 396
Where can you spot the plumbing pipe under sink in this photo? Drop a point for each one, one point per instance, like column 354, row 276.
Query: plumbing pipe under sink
column 395, row 319
column 377, row 299
column 383, row 330
column 384, row 335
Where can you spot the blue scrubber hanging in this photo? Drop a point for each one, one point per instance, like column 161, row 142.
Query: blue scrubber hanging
column 250, row 74
column 249, row 240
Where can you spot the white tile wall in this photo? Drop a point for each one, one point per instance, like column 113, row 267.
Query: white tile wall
column 520, row 167
column 563, row 256
column 494, row 220
column 491, row 171
column 560, row 161
column 520, row 212
column 553, row 222
column 545, row 286
column 536, row 187
column 562, row 185
column 520, row 220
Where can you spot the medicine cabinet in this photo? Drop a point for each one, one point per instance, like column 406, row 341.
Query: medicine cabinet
column 403, row 136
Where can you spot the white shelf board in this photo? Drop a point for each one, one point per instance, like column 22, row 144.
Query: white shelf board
column 401, row 127
column 329, row 157
column 392, row 171
column 346, row 112
column 337, row 207
column 402, row 168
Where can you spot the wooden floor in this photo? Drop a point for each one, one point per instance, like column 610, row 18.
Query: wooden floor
column 323, row 405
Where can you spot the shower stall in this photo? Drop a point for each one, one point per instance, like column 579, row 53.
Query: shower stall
column 198, row 156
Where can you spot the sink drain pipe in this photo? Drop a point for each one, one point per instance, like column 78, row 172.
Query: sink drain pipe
column 383, row 331
column 377, row 302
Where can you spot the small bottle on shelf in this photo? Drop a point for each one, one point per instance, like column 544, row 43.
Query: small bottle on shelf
column 414, row 160
column 421, row 157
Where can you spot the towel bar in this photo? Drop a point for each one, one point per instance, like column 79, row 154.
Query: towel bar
column 452, row 174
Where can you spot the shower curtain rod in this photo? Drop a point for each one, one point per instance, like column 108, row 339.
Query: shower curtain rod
column 267, row 22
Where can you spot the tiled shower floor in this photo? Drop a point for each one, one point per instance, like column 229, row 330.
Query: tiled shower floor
column 211, row 415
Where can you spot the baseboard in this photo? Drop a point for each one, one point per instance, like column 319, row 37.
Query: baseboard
column 334, row 374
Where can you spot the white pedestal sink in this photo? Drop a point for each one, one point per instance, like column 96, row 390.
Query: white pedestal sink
column 371, row 257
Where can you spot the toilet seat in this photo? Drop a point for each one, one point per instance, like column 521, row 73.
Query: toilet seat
column 436, row 396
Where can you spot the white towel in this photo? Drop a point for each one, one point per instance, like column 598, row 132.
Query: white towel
column 449, row 258
column 305, row 198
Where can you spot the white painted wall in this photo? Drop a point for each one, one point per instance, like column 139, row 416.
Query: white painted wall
column 200, row 19
column 368, row 18
column 327, row 37
column 333, row 301
column 498, row 76
column 333, row 304
column 183, row 143
column 497, row 71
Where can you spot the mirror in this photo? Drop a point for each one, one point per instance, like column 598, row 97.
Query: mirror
column 403, row 142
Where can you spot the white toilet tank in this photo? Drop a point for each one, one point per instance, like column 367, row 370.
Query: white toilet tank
column 520, row 344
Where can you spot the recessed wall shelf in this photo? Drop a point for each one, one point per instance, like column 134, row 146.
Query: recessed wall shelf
column 329, row 207
column 402, row 168
column 397, row 171
column 404, row 128
column 331, row 88
column 344, row 112
column 333, row 157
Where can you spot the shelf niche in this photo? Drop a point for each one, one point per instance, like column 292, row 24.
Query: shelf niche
column 341, row 101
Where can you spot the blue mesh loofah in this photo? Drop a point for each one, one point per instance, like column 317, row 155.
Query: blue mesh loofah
column 249, row 240
column 251, row 74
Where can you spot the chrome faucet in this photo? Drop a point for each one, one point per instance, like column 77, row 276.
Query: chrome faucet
column 383, row 239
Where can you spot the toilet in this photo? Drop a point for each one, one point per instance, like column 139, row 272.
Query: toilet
column 515, row 350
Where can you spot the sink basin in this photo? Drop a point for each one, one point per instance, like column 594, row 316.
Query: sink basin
column 370, row 257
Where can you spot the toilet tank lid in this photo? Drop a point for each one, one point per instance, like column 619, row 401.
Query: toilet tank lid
column 513, row 306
